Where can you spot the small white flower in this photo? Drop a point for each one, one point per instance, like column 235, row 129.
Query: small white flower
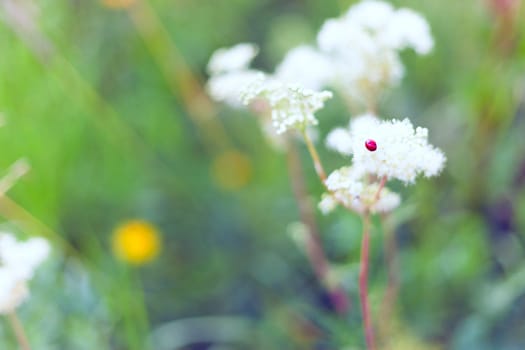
column 363, row 46
column 340, row 141
column 227, row 87
column 370, row 14
column 402, row 152
column 305, row 66
column 408, row 29
column 347, row 179
column 347, row 187
column 229, row 73
column 292, row 106
column 327, row 204
column 18, row 262
column 232, row 59
column 385, row 202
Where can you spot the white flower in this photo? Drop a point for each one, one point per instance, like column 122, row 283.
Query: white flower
column 370, row 14
column 385, row 202
column 364, row 46
column 340, row 141
column 292, row 106
column 327, row 204
column 232, row 59
column 305, row 66
column 408, row 29
column 402, row 152
column 347, row 179
column 18, row 261
column 347, row 187
column 229, row 73
column 227, row 87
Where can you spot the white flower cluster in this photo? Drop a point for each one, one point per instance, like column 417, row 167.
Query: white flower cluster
column 230, row 73
column 359, row 52
column 402, row 153
column 347, row 186
column 18, row 261
column 381, row 149
column 236, row 58
column 358, row 55
column 364, row 46
column 292, row 106
column 306, row 66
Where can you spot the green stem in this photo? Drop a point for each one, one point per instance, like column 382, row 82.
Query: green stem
column 313, row 249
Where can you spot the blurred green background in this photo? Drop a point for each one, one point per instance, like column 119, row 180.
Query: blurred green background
column 102, row 103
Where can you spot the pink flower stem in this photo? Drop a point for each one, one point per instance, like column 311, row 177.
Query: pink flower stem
column 381, row 186
column 363, row 283
column 392, row 289
column 18, row 329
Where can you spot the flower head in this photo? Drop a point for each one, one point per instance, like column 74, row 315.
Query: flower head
column 363, row 46
column 340, row 141
column 401, row 151
column 228, row 87
column 408, row 29
column 233, row 59
column 18, row 262
column 292, row 106
column 305, row 66
column 229, row 73
column 347, row 186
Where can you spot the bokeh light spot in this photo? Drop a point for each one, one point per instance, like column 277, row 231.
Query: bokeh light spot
column 231, row 170
column 117, row 4
column 136, row 242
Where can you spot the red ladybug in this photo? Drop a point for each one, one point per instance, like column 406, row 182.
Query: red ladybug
column 370, row 145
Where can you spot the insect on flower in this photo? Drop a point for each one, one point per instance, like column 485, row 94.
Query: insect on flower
column 371, row 145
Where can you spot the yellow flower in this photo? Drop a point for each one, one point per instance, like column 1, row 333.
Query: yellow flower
column 136, row 242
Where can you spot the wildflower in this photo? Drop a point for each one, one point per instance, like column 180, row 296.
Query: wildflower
column 408, row 29
column 340, row 141
column 233, row 59
column 346, row 186
column 136, row 242
column 292, row 106
column 364, row 46
column 227, row 88
column 402, row 151
column 306, row 66
column 229, row 73
column 18, row 262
